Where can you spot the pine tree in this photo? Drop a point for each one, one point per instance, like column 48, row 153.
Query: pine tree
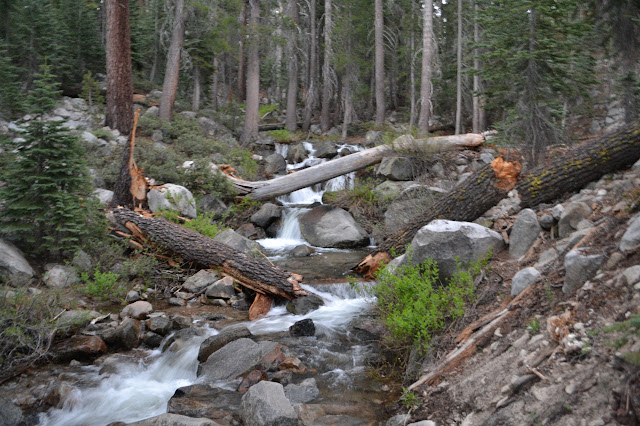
column 9, row 85
column 46, row 209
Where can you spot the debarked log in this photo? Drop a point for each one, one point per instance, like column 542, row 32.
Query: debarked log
column 194, row 247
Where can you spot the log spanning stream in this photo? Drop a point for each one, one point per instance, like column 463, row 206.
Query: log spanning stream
column 337, row 357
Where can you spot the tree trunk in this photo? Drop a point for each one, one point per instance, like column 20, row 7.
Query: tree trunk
column 292, row 90
column 379, row 65
column 251, row 116
column 276, row 92
column 119, row 112
column 215, row 84
column 325, row 119
column 194, row 247
column 264, row 190
column 172, row 70
column 459, row 80
column 242, row 63
column 311, row 97
column 427, row 57
column 195, row 102
column 478, row 116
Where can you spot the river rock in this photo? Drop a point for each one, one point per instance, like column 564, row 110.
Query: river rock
column 160, row 325
column 79, row 347
column 523, row 279
column 200, row 280
column 138, row 310
column 13, row 266
column 252, row 232
column 221, row 289
column 57, row 396
column 304, row 305
column 326, row 226
column 205, row 401
column 226, row 336
column 209, row 203
column 253, row 377
column 152, row 339
column 296, row 153
column 238, row 242
column 60, row 276
column 325, row 149
column 169, row 419
column 265, row 404
column 274, row 164
column 397, row 168
column 302, row 250
column 10, row 414
column 172, row 197
column 234, row 359
column 127, row 333
column 305, row 392
column 631, row 238
column 524, row 233
column 301, row 328
column 293, row 364
column 267, row 214
column 579, row 268
column 443, row 240
column 572, row 215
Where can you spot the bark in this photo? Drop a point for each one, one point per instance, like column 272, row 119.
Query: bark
column 242, row 63
column 194, row 247
column 292, row 90
column 311, row 96
column 427, row 57
column 379, row 62
column 264, row 190
column 251, row 116
column 195, row 102
column 215, row 84
column 325, row 119
column 172, row 70
column 119, row 112
column 478, row 116
column 459, row 71
column 130, row 187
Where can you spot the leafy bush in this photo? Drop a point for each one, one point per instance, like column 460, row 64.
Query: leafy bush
column 415, row 305
column 203, row 224
column 103, row 285
column 265, row 109
column 285, row 136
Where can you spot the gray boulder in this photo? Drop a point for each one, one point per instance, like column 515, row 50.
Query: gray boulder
column 152, row 112
column 209, row 203
column 302, row 328
column 214, row 129
column 159, row 325
column 524, row 233
column 172, row 197
column 274, row 164
column 632, row 275
column 221, row 289
column 389, row 190
column 127, row 333
column 267, row 214
column 104, row 196
column 572, row 215
column 13, row 266
column 373, row 138
column 412, row 201
column 204, row 401
column 296, row 153
column 443, row 240
column 579, row 268
column 325, row 149
column 523, row 279
column 234, row 359
column 305, row 392
column 631, row 238
column 60, row 276
column 138, row 310
column 226, row 336
column 266, row 404
column 238, row 242
column 82, row 260
column 326, row 226
column 304, row 305
column 10, row 414
column 200, row 280
column 398, row 168
column 169, row 419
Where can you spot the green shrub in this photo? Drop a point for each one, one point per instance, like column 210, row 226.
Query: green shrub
column 409, row 398
column 203, row 224
column 414, row 305
column 265, row 109
column 628, row 328
column 285, row 136
column 103, row 285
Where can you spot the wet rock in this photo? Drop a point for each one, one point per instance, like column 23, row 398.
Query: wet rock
column 79, row 347
column 305, row 392
column 204, row 401
column 572, row 215
column 325, row 149
column 631, row 238
column 152, row 339
column 127, row 333
column 301, row 328
column 293, row 365
column 366, row 329
column 302, row 250
column 160, row 325
column 179, row 322
column 265, row 404
column 226, row 336
column 238, row 242
column 179, row 339
column 221, row 289
column 60, row 276
column 326, row 226
column 132, row 296
column 200, row 280
column 267, row 214
column 10, row 414
column 169, row 419
column 524, row 233
column 397, row 168
column 57, row 396
column 296, row 153
column 172, row 197
column 304, row 305
column 252, row 232
column 274, row 164
column 579, row 268
column 272, row 358
column 523, row 279
column 253, row 377
column 234, row 359
column 209, row 203
column 138, row 310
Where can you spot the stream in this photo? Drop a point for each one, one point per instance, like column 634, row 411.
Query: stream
column 338, row 361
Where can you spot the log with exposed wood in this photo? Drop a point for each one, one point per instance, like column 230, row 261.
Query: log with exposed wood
column 194, row 247
column 478, row 193
column 130, row 187
column 263, row 190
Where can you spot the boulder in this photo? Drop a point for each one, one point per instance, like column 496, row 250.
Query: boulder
column 252, row 232
column 221, row 289
column 238, row 242
column 444, row 240
column 209, row 203
column 274, row 164
column 75, row 319
column 305, row 392
column 631, row 238
column 127, row 333
column 200, row 280
column 296, row 153
column 389, row 190
column 302, row 250
column 10, row 414
column 152, row 112
column 234, row 359
column 205, row 401
column 132, row 296
column 214, row 129
column 304, row 305
column 60, row 276
column 57, row 396
column 524, row 233
column 325, row 149
column 267, row 214
column 397, row 168
column 413, row 200
column 523, row 279
column 373, row 138
column 104, row 196
column 572, row 215
column 326, row 226
column 168, row 419
column 301, row 328
column 172, row 197
column 632, row 275
column 79, row 347
column 152, row 339
column 266, row 404
column 579, row 268
column 160, row 325
column 137, row 310
column 82, row 260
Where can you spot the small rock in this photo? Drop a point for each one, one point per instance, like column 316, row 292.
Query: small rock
column 82, row 260
column 200, row 280
column 294, row 365
column 60, row 276
column 547, row 221
column 172, row 197
column 265, row 404
column 132, row 296
column 160, row 325
column 304, row 327
column 305, row 392
column 221, row 289
column 251, row 379
column 127, row 334
column 304, row 305
column 632, row 274
column 631, row 238
column 302, row 250
column 573, row 214
column 579, row 268
column 138, row 310
column 175, row 301
column 523, row 279
column 525, row 232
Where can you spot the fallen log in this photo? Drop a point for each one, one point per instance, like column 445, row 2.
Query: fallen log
column 263, row 190
column 194, row 247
